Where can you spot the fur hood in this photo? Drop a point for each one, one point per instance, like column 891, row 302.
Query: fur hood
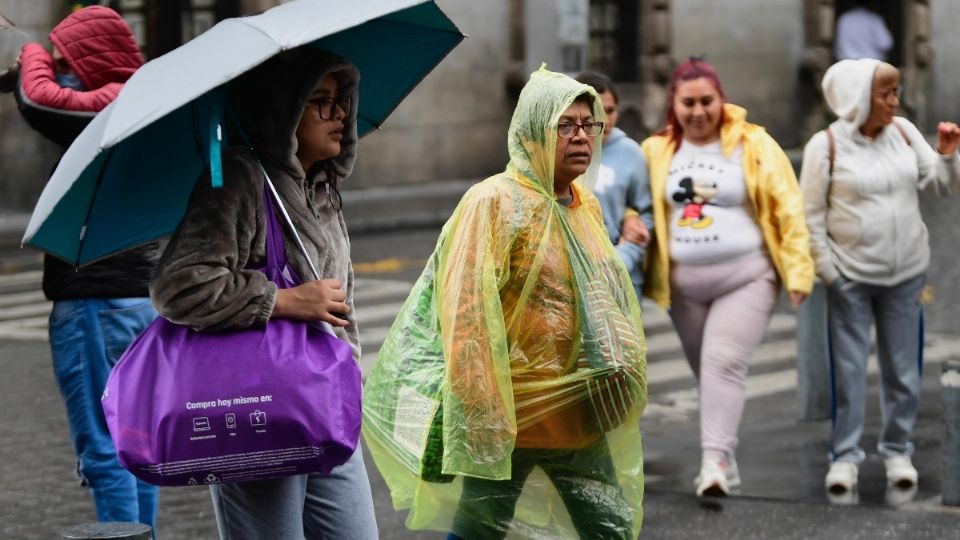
column 270, row 125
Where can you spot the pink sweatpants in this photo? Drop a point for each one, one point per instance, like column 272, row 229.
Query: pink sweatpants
column 720, row 312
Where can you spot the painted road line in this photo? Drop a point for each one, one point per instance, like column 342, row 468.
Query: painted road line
column 669, row 342
column 377, row 313
column 23, row 311
column 29, row 297
column 29, row 329
column 384, row 266
column 22, row 279
column 367, row 291
column 676, row 369
column 680, row 404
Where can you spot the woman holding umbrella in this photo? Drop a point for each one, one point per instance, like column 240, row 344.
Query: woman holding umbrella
column 298, row 111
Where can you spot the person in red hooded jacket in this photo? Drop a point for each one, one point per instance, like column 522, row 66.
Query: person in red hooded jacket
column 100, row 308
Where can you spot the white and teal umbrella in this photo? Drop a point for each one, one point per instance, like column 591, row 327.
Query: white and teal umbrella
column 127, row 178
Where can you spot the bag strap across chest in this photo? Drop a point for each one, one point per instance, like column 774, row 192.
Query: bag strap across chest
column 833, row 143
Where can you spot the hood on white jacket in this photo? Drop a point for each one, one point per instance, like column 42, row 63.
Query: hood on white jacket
column 847, row 87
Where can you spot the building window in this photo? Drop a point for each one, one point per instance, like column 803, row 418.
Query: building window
column 613, row 38
column 163, row 25
column 135, row 13
column 198, row 18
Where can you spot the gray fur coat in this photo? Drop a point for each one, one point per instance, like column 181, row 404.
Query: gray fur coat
column 202, row 280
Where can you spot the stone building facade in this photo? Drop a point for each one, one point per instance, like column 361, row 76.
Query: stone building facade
column 770, row 55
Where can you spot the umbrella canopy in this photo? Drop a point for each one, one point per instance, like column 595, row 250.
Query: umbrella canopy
column 127, row 179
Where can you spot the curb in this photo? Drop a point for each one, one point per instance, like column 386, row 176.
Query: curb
column 389, row 208
column 12, row 226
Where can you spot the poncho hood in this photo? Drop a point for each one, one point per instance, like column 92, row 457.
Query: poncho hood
column 847, row 87
column 271, row 125
column 532, row 137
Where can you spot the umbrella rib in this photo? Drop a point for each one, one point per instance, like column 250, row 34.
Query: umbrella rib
column 93, row 202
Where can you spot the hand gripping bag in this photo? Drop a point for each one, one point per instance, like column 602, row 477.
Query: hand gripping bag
column 187, row 407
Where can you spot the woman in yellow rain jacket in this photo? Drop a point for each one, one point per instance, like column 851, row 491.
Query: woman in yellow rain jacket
column 518, row 361
column 729, row 229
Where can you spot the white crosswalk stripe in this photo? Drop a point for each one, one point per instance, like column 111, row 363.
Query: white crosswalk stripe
column 672, row 389
column 23, row 308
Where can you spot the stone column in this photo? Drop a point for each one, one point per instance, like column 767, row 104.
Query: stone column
column 813, row 370
column 655, row 61
column 26, row 157
column 917, row 58
column 818, row 27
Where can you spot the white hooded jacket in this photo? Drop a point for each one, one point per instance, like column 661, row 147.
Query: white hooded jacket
column 864, row 219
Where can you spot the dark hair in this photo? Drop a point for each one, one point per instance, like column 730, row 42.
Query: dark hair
column 584, row 98
column 600, row 82
column 692, row 69
column 872, row 5
column 327, row 168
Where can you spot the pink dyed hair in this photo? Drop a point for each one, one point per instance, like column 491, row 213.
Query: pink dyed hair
column 692, row 69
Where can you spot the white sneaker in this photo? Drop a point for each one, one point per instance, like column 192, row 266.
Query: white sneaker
column 842, row 477
column 733, row 474
column 900, row 472
column 713, row 480
column 895, row 496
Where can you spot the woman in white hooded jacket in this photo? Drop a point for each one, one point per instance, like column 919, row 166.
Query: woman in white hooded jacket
column 860, row 179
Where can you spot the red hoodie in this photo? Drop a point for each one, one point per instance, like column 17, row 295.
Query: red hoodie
column 98, row 46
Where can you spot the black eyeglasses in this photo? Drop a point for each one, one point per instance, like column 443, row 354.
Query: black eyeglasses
column 568, row 130
column 325, row 105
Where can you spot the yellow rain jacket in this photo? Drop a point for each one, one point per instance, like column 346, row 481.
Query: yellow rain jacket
column 773, row 191
column 522, row 332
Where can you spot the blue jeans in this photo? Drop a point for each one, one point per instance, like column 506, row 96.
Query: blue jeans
column 87, row 337
column 313, row 506
column 898, row 316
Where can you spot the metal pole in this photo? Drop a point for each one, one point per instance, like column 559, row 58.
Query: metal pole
column 950, row 483
column 813, row 366
column 107, row 531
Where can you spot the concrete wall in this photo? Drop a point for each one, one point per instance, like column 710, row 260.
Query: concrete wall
column 942, row 214
column 755, row 46
column 26, row 158
column 454, row 125
column 945, row 73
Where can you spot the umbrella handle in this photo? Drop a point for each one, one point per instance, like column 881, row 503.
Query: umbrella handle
column 286, row 217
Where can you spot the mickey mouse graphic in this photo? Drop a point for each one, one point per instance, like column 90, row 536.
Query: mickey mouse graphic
column 696, row 194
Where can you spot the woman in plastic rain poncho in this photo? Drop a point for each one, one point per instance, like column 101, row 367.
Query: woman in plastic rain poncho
column 518, row 362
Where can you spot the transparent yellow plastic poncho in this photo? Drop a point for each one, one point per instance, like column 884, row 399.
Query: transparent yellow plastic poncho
column 518, row 357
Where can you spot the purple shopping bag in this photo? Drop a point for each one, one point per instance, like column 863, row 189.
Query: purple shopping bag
column 187, row 408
